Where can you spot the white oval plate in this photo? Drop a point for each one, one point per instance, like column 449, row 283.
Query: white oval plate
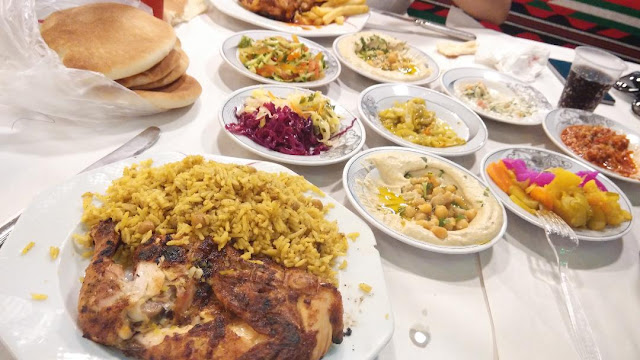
column 343, row 148
column 233, row 9
column 559, row 119
column 356, row 171
column 541, row 159
column 462, row 120
column 48, row 330
column 229, row 52
column 429, row 62
column 454, row 78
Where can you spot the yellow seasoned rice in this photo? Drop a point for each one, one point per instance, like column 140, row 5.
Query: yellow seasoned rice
column 27, row 248
column 35, row 296
column 256, row 212
column 365, row 287
column 353, row 236
column 54, row 251
column 343, row 265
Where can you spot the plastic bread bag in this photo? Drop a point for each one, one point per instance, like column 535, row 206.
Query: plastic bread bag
column 33, row 79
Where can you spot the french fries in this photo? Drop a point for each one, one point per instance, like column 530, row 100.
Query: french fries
column 332, row 11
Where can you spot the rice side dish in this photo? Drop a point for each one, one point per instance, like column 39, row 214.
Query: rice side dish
column 257, row 212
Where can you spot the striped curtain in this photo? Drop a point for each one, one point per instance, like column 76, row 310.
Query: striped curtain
column 613, row 25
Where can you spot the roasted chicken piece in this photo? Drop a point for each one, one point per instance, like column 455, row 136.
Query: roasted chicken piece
column 198, row 302
column 282, row 10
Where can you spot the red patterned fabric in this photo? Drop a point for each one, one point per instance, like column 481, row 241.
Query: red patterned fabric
column 541, row 20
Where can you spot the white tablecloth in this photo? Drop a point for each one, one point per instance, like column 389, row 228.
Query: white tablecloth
column 501, row 303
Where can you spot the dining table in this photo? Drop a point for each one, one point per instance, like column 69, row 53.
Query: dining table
column 502, row 303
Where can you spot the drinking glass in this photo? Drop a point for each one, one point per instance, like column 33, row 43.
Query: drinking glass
column 592, row 73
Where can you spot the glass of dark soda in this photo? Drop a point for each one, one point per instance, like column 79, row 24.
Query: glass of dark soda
column 592, row 73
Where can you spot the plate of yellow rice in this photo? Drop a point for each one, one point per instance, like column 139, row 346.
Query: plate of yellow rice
column 241, row 202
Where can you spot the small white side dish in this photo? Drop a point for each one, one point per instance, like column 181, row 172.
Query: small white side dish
column 458, row 116
column 229, row 52
column 343, row 147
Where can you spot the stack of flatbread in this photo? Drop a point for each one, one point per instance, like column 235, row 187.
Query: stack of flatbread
column 126, row 45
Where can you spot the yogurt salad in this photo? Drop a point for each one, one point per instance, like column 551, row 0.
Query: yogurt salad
column 427, row 199
column 484, row 98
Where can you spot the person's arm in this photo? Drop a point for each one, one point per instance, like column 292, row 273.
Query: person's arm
column 494, row 11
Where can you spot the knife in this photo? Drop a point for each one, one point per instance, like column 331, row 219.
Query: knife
column 133, row 147
column 454, row 33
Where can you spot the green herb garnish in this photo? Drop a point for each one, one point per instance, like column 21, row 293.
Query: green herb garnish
column 401, row 210
column 245, row 42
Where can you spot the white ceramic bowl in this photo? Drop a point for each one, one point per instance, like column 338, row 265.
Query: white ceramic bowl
column 462, row 120
column 229, row 52
column 343, row 147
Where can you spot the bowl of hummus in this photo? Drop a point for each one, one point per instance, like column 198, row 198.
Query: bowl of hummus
column 383, row 58
column 424, row 200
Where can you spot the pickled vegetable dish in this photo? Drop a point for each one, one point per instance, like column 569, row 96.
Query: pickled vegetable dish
column 579, row 199
column 603, row 147
column 280, row 59
column 412, row 121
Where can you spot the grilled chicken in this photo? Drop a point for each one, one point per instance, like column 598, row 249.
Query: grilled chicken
column 282, row 10
column 198, row 302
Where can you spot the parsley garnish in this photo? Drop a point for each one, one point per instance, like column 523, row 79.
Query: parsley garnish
column 245, row 42
column 486, row 191
column 408, row 176
column 443, row 222
column 424, row 158
column 441, row 173
column 460, row 217
column 401, row 210
column 426, row 189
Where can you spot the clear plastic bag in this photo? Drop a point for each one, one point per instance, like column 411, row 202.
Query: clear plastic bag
column 33, row 78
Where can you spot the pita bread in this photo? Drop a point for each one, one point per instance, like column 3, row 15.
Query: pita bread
column 114, row 39
column 177, row 11
column 157, row 72
column 455, row 49
column 172, row 76
column 182, row 92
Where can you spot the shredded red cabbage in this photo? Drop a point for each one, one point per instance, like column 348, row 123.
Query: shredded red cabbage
column 591, row 175
column 284, row 131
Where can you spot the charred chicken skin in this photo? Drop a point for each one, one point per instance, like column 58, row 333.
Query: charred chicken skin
column 282, row 10
column 198, row 302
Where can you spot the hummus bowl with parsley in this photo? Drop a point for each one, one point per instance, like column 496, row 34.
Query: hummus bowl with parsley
column 424, row 200
column 384, row 58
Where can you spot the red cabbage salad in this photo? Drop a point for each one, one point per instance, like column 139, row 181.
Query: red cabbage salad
column 300, row 124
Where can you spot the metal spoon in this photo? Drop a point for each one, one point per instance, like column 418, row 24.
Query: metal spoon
column 635, row 105
column 629, row 83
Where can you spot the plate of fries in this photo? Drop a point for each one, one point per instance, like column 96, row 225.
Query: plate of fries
column 329, row 18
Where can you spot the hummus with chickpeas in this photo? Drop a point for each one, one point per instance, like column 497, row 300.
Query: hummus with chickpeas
column 429, row 200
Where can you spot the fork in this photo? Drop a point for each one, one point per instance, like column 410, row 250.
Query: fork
column 6, row 229
column 563, row 241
